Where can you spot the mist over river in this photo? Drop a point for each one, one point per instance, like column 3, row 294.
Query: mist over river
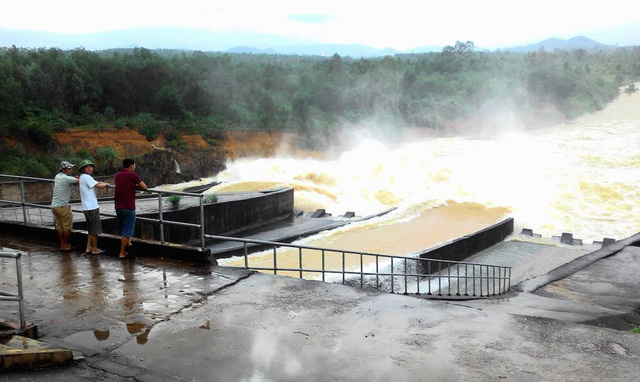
column 581, row 177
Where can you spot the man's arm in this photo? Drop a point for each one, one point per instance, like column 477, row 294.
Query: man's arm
column 141, row 186
column 102, row 185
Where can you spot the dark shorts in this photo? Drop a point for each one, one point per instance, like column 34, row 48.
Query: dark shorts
column 94, row 224
column 126, row 221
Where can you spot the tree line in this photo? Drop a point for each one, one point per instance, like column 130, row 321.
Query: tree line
column 45, row 90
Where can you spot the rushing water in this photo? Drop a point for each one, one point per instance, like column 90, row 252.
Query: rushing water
column 581, row 177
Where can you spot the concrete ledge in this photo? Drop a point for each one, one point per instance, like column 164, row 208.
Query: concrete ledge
column 22, row 353
column 461, row 248
column 574, row 266
column 111, row 243
column 31, row 330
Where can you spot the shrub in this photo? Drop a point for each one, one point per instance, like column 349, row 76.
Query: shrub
column 110, row 114
column 147, row 126
column 121, row 122
column 211, row 199
column 174, row 200
column 83, row 154
column 107, row 158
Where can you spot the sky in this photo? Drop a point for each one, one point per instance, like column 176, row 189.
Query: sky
column 398, row 24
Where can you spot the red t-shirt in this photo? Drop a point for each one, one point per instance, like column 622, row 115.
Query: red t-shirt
column 125, row 194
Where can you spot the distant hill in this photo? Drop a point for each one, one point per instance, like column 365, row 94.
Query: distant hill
column 579, row 42
column 326, row 50
column 187, row 39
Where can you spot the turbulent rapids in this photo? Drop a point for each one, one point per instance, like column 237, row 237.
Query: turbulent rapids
column 581, row 177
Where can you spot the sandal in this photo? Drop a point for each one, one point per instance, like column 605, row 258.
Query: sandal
column 100, row 252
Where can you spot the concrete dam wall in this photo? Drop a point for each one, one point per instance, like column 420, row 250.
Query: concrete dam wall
column 223, row 217
column 465, row 246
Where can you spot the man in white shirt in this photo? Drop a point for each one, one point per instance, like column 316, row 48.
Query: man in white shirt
column 62, row 215
column 90, row 206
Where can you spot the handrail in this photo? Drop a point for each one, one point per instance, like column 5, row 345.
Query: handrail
column 5, row 296
column 26, row 178
column 467, row 279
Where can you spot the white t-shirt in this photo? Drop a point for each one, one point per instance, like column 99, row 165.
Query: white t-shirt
column 88, row 193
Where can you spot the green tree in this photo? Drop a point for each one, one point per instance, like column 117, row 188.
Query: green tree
column 169, row 102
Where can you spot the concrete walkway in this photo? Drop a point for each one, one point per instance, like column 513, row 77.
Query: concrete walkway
column 157, row 320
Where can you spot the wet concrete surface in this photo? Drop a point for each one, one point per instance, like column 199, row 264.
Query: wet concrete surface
column 161, row 320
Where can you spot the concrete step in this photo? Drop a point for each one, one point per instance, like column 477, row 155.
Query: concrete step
column 22, row 353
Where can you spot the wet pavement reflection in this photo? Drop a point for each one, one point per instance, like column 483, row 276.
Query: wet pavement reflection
column 94, row 302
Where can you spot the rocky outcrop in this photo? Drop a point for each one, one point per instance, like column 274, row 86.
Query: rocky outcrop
column 163, row 166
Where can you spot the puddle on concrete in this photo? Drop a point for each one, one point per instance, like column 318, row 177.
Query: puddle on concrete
column 100, row 340
column 142, row 338
column 101, row 335
column 135, row 327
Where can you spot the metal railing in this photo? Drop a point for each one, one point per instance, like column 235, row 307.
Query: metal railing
column 395, row 274
column 6, row 296
column 390, row 273
column 161, row 221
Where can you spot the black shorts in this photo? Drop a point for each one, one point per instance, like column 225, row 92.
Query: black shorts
column 94, row 224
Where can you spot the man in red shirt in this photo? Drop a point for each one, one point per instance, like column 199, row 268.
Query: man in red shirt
column 127, row 182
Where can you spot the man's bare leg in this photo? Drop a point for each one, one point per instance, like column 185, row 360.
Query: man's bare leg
column 124, row 243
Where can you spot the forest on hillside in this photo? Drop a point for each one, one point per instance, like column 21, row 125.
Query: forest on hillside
column 48, row 90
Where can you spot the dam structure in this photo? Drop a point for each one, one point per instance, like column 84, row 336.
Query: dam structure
column 108, row 318
column 260, row 221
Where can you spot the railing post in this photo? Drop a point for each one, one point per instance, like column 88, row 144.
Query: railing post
column 481, row 291
column 161, row 223
column 377, row 273
column 405, row 276
column 24, row 208
column 361, row 271
column 449, row 280
column 473, row 278
column 300, row 261
column 323, row 265
column 23, row 322
column 466, row 280
column 488, row 286
column 392, row 286
column 343, row 268
column 202, row 222
column 493, row 272
column 418, row 266
column 429, row 277
column 439, row 278
column 275, row 261
column 246, row 256
column 458, row 278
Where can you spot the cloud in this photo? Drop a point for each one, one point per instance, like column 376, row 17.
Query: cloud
column 315, row 18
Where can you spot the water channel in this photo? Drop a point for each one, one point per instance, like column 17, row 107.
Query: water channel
column 580, row 177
